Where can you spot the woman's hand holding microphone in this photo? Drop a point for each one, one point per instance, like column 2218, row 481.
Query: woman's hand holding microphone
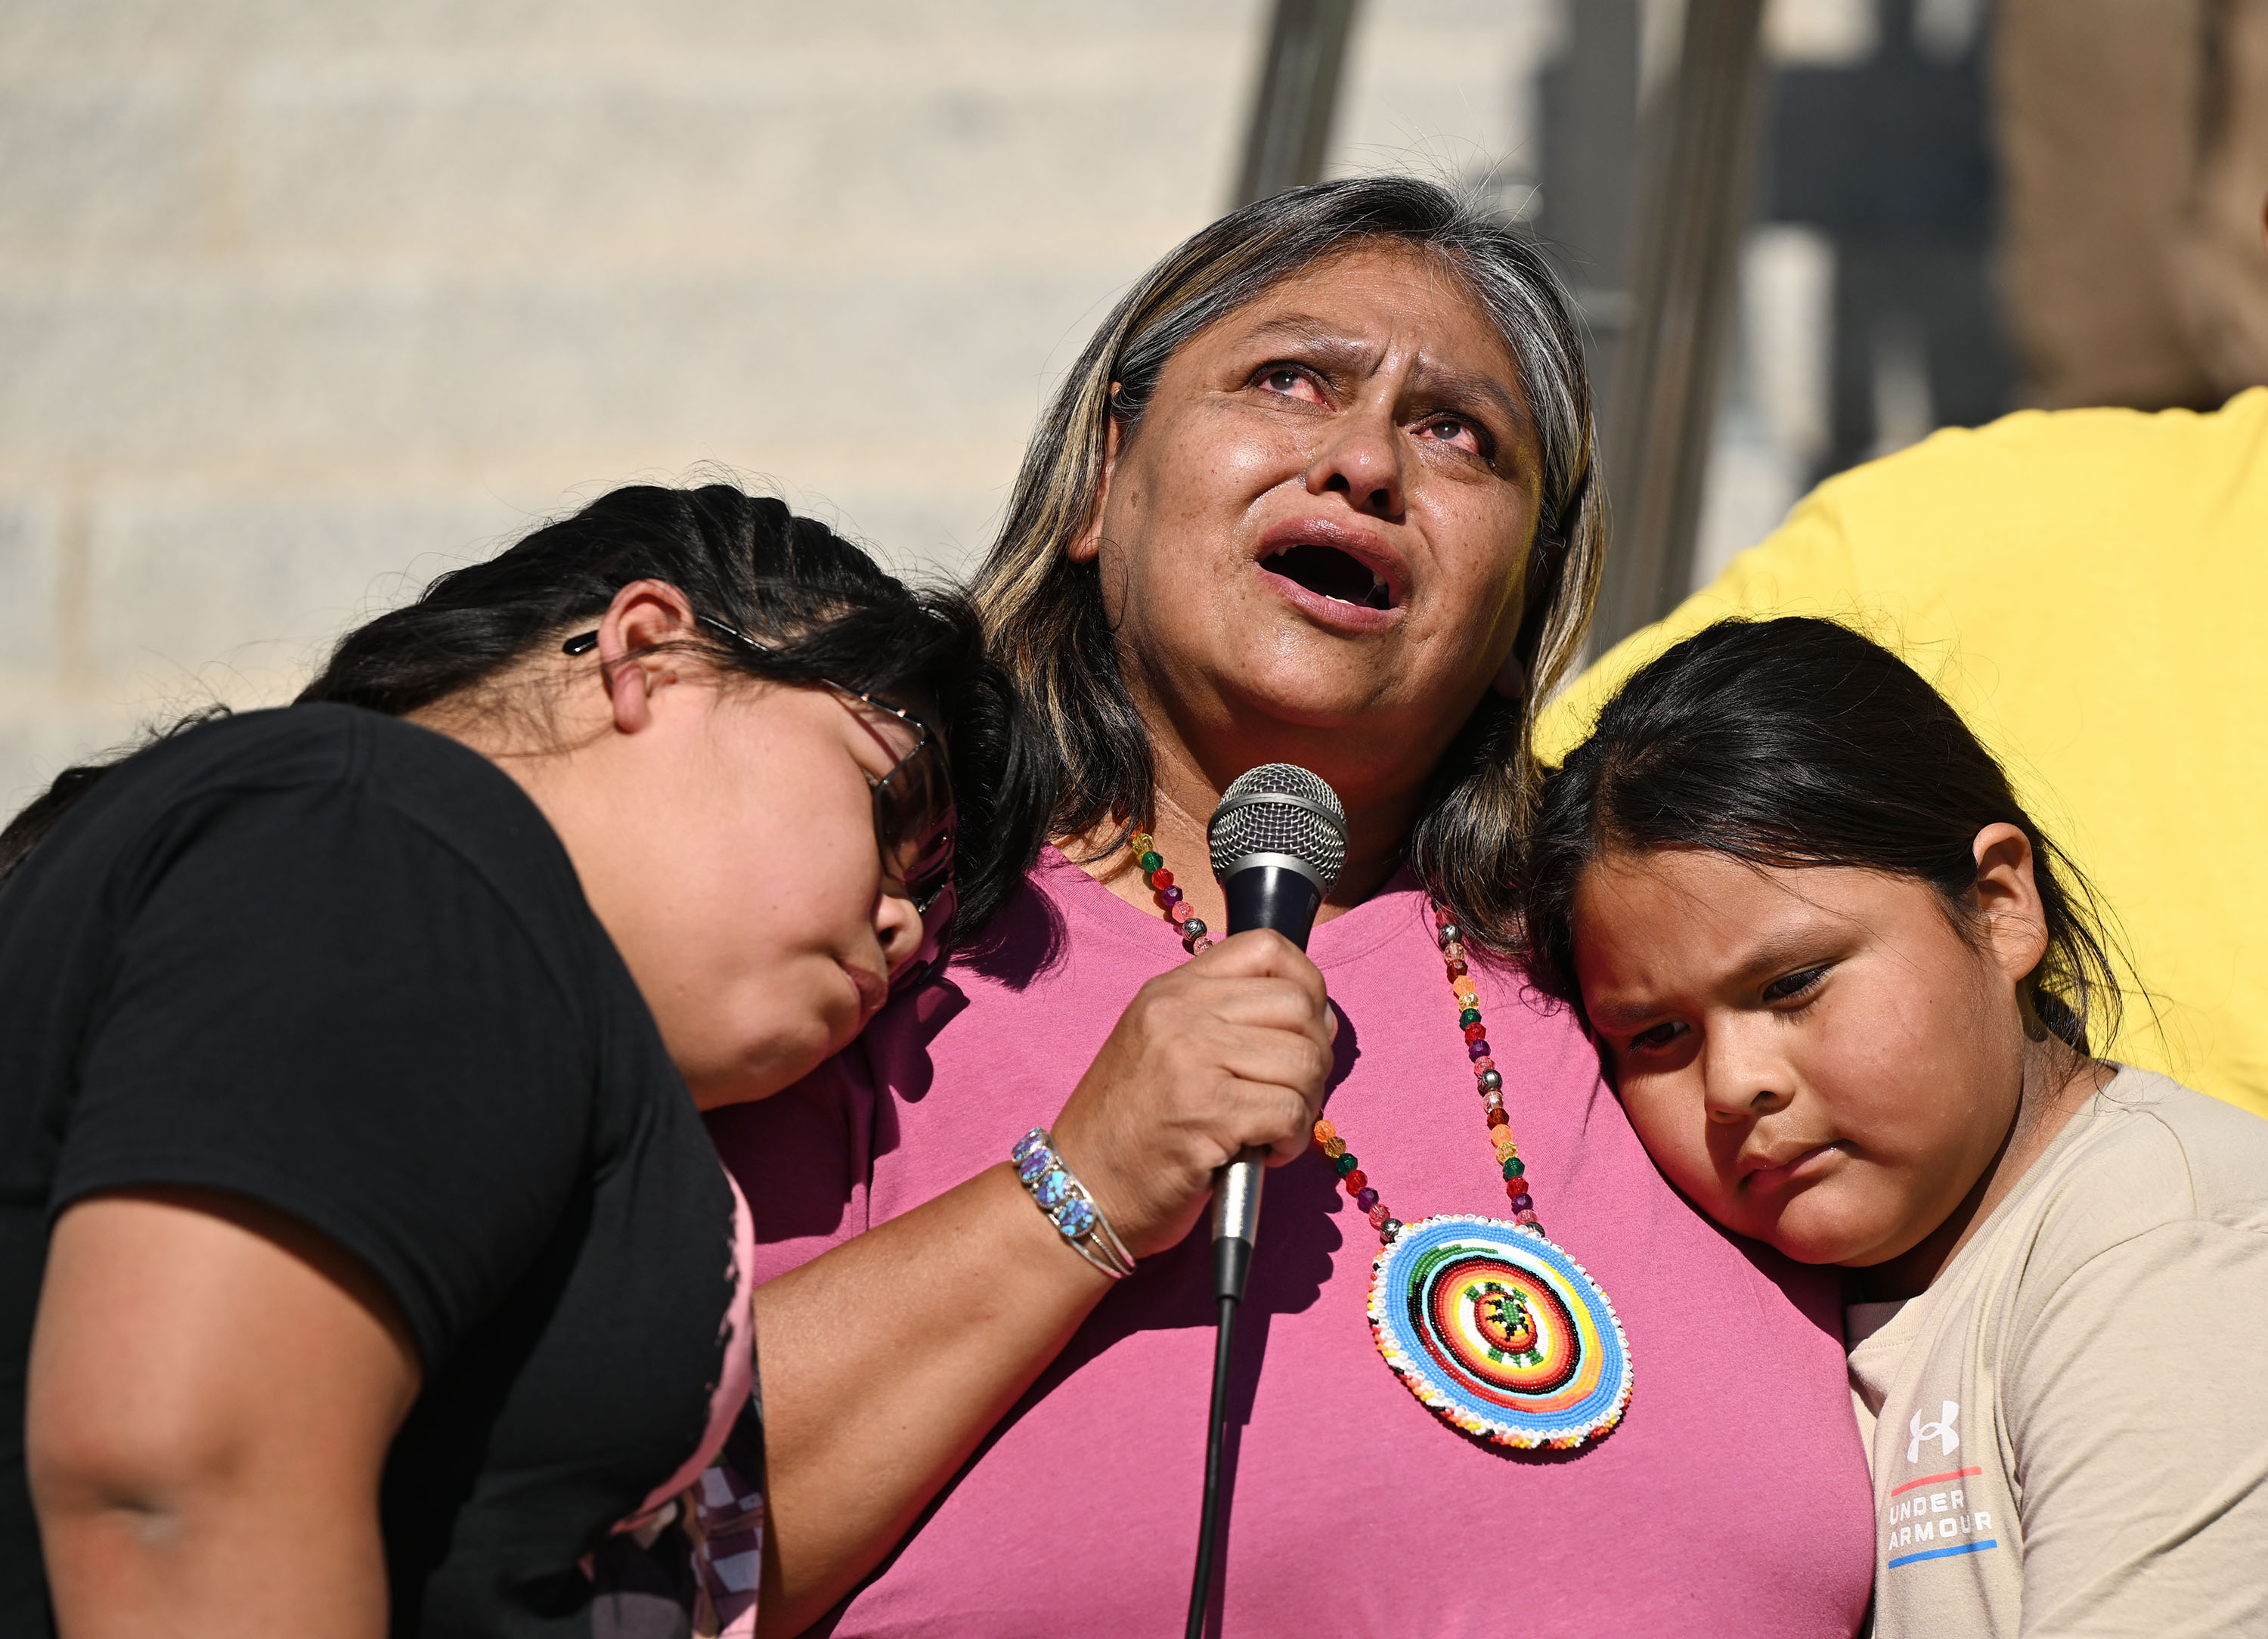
column 1229, row 1050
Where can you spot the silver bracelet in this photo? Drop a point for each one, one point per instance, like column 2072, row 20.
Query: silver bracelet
column 1074, row 1212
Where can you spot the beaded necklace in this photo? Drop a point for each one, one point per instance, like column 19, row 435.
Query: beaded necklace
column 1490, row 1324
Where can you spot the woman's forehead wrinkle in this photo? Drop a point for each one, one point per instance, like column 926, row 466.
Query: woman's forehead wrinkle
column 1318, row 335
column 1328, row 339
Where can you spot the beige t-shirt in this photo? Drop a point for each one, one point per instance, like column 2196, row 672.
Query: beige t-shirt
column 2069, row 1429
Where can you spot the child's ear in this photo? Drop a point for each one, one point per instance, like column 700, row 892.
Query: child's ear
column 2008, row 897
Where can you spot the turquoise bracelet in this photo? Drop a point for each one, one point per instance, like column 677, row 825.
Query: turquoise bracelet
column 1060, row 1194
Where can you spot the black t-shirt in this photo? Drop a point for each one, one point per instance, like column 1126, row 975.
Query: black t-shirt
column 341, row 965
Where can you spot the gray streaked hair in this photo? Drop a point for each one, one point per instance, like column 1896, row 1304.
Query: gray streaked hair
column 1087, row 757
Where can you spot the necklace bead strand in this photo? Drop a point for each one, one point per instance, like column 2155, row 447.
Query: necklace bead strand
column 1518, row 1186
column 1170, row 898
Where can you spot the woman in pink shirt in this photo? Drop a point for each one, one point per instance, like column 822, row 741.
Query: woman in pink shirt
column 1321, row 490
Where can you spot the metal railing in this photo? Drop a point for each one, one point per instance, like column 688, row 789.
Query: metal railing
column 1299, row 93
column 1699, row 137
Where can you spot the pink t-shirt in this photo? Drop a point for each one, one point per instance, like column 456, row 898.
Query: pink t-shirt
column 1732, row 1500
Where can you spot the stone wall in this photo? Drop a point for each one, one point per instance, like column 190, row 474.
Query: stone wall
column 303, row 301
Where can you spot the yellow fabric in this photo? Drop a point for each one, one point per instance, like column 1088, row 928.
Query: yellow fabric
column 2089, row 588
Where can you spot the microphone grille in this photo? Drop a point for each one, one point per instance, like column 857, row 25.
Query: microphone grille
column 1280, row 808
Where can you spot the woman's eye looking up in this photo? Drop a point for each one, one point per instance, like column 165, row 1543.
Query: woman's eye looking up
column 1289, row 381
column 1457, row 431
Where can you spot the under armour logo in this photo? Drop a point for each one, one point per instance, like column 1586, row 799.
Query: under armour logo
column 1941, row 1429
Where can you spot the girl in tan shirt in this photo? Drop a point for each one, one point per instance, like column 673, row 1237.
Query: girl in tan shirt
column 1844, row 986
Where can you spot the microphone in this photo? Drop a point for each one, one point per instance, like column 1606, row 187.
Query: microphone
column 1278, row 841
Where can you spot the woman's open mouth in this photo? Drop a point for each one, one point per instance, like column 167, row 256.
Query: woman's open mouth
column 1331, row 573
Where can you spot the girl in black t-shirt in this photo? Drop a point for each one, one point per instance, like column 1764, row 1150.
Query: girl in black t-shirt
column 363, row 1265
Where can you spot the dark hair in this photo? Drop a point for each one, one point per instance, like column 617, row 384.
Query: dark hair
column 1795, row 742
column 1089, row 758
column 824, row 610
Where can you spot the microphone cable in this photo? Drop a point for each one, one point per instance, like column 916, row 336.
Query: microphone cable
column 1223, row 1344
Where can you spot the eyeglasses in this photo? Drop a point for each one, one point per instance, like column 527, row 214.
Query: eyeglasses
column 914, row 817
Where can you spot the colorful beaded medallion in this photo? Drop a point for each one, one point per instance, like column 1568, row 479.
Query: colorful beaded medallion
column 1500, row 1332
column 1490, row 1324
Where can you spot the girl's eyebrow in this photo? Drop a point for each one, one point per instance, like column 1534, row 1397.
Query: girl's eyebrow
column 1607, row 1016
column 1777, row 953
column 1782, row 953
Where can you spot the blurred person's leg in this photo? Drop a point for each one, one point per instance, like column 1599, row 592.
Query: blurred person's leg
column 2099, row 108
column 2221, row 275
column 1967, row 343
column 1918, row 345
column 1866, row 339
